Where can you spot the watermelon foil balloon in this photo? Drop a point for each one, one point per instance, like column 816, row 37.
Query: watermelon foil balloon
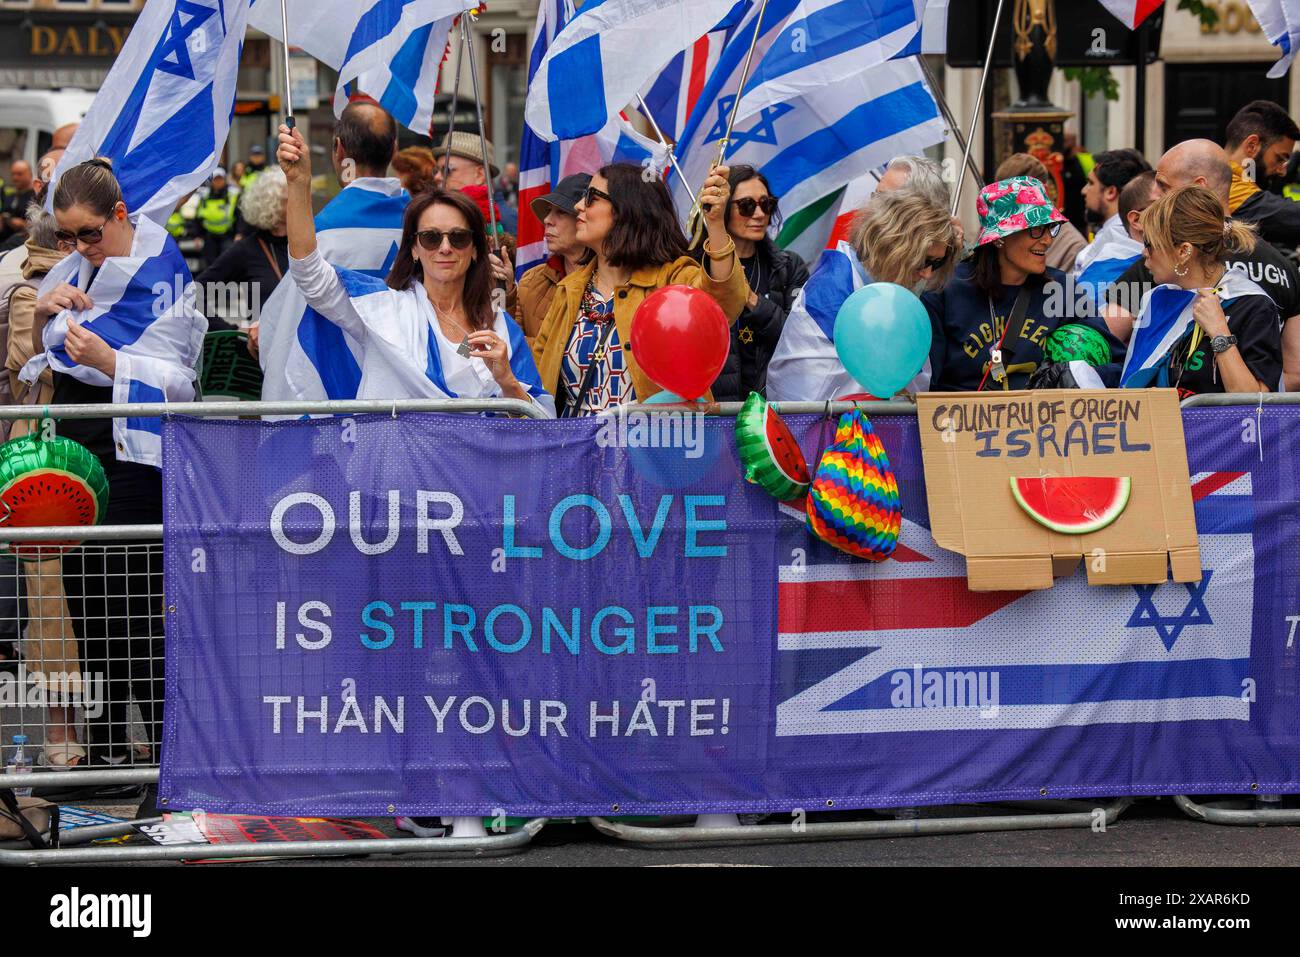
column 1077, row 342
column 59, row 482
column 769, row 453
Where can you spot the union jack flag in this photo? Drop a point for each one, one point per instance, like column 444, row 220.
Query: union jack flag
column 906, row 646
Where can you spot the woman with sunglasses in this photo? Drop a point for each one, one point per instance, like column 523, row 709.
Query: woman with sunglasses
column 631, row 227
column 991, row 321
column 773, row 275
column 109, row 337
column 900, row 236
column 430, row 329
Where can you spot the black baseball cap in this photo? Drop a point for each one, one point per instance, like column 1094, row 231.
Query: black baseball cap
column 565, row 196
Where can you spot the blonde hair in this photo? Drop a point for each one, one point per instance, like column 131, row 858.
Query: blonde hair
column 892, row 232
column 262, row 203
column 1193, row 214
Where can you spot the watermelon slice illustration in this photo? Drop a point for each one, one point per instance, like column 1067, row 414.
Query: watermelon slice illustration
column 1074, row 505
column 55, row 482
column 771, row 456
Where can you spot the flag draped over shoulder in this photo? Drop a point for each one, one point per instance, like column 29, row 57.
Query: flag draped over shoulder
column 385, row 48
column 304, row 355
column 163, row 111
column 143, row 306
column 1107, row 264
column 1165, row 317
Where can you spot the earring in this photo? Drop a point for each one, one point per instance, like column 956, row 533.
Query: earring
column 1181, row 272
column 1000, row 243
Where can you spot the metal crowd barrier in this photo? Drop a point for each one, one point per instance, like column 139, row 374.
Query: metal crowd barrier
column 143, row 768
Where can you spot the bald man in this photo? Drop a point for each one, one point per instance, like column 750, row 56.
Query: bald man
column 365, row 140
column 1204, row 163
column 63, row 136
column 18, row 195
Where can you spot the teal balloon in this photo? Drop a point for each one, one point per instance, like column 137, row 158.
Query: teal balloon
column 882, row 335
column 668, row 398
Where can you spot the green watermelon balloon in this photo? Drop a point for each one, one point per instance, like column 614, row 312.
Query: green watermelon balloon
column 1075, row 341
column 59, row 482
column 771, row 456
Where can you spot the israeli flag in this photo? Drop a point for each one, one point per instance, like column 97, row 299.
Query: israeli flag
column 163, row 111
column 304, row 355
column 1164, row 319
column 404, row 357
column 821, row 42
column 386, row 48
column 144, row 307
column 406, row 85
column 1280, row 21
column 805, row 365
column 1107, row 264
column 605, row 54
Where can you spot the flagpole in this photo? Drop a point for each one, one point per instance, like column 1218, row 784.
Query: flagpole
column 672, row 156
column 468, row 41
column 695, row 218
column 953, row 127
column 979, row 104
column 455, row 93
column 288, row 84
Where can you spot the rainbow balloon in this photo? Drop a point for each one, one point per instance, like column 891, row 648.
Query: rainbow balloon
column 853, row 503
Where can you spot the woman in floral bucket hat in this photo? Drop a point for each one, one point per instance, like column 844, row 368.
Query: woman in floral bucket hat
column 991, row 321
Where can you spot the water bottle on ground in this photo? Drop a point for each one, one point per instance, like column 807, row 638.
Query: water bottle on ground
column 19, row 763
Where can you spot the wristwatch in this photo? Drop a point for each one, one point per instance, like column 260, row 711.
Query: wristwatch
column 1222, row 343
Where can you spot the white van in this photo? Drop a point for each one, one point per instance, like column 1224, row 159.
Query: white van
column 28, row 119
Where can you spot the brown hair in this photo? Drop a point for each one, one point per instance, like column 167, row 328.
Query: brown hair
column 477, row 295
column 1193, row 214
column 892, row 232
column 90, row 184
column 416, row 162
column 1026, row 164
column 645, row 231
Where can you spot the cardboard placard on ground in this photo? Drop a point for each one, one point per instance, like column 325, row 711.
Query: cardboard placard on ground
column 974, row 444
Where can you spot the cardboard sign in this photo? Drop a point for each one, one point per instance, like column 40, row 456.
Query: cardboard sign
column 976, row 445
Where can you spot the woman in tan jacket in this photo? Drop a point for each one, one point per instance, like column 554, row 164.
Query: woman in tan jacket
column 632, row 227
column 51, row 652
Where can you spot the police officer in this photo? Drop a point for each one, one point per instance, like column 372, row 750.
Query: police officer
column 217, row 216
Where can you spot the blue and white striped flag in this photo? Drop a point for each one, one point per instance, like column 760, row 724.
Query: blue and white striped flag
column 1165, row 317
column 811, row 145
column 144, row 307
column 163, row 111
column 304, row 355
column 386, row 48
column 406, row 85
column 1280, row 21
column 607, row 51
column 805, row 365
column 820, row 42
column 1107, row 264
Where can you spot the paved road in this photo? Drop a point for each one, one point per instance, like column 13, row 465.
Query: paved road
column 1152, row 833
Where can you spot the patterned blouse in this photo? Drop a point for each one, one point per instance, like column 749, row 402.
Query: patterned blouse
column 612, row 383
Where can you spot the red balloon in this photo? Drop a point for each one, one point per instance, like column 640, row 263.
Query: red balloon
column 680, row 338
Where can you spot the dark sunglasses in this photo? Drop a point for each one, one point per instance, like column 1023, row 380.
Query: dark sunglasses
column 937, row 264
column 431, row 239
column 1038, row 232
column 747, row 205
column 68, row 240
column 592, row 194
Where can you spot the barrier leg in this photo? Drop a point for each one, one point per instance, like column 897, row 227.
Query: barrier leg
column 490, row 846
column 843, row 830
column 1254, row 817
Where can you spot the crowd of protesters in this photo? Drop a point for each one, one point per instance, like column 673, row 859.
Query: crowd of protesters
column 450, row 318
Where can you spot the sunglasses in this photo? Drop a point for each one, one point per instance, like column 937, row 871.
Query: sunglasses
column 747, row 205
column 431, row 239
column 937, row 264
column 1038, row 232
column 67, row 241
column 592, row 194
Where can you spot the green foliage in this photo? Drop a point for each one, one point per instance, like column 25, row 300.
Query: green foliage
column 1199, row 8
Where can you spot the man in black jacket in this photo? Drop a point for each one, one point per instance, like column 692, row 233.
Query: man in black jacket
column 1260, row 141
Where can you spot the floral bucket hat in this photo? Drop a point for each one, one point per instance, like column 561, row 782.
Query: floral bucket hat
column 1012, row 205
